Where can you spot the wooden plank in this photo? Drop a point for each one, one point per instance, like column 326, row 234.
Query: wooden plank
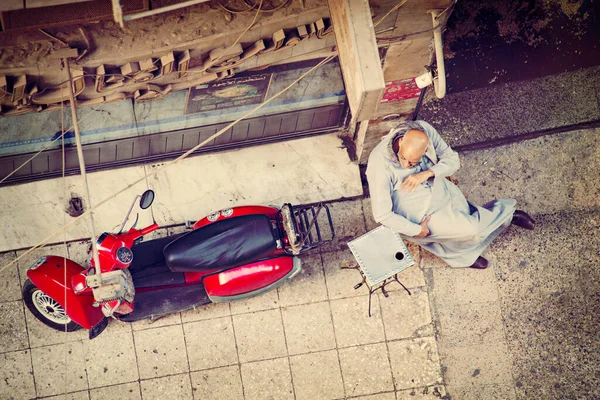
column 407, row 59
column 359, row 56
column 361, row 134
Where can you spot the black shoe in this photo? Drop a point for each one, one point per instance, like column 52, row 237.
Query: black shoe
column 480, row 263
column 522, row 219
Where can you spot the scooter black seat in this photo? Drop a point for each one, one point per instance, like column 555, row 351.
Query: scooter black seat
column 224, row 244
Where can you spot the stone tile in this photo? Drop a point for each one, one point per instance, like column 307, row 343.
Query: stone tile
column 218, row 384
column 412, row 277
column 175, row 387
column 326, row 384
column 10, row 286
column 210, row 343
column 464, row 286
column 78, row 251
column 428, row 260
column 13, row 331
column 16, row 376
column 368, row 212
column 259, row 335
column 111, row 360
column 366, row 369
column 41, row 335
column 265, row 301
column 470, row 324
column 380, row 396
column 167, row 320
column 406, row 316
column 307, row 287
column 353, row 326
column 348, row 223
column 161, row 351
column 308, row 328
column 415, row 363
column 116, row 327
column 209, row 311
column 270, row 377
column 59, row 368
column 483, row 364
column 340, row 282
column 83, row 395
column 478, row 392
column 428, row 392
column 127, row 391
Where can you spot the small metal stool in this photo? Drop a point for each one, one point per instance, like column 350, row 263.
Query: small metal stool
column 381, row 255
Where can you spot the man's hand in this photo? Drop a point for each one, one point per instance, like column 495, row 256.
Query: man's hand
column 424, row 230
column 411, row 183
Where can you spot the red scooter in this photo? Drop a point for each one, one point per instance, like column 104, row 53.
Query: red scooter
column 229, row 255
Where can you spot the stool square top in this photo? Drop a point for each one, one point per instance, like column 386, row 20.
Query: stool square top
column 380, row 254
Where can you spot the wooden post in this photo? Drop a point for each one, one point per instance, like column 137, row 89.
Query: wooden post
column 359, row 56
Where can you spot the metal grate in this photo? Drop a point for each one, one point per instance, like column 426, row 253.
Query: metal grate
column 169, row 145
column 67, row 14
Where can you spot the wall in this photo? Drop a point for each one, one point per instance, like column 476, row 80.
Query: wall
column 300, row 171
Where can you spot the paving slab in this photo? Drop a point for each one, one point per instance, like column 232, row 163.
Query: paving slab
column 428, row 392
column 110, row 360
column 308, row 328
column 126, row 391
column 82, row 395
column 161, row 351
column 210, row 343
column 16, row 375
column 317, row 376
column 380, row 396
column 415, row 362
column 58, row 369
column 352, row 323
column 175, row 386
column 477, row 392
column 269, row 376
column 340, row 282
column 348, row 222
column 366, row 369
column 308, row 287
column 265, row 301
column 218, row 384
column 406, row 316
column 209, row 311
column 13, row 331
column 483, row 364
column 259, row 335
column 10, row 288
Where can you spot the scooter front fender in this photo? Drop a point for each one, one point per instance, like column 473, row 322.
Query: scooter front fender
column 53, row 277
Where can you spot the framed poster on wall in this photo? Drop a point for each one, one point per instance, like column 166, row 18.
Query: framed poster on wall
column 229, row 93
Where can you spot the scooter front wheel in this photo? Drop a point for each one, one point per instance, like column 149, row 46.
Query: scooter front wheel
column 46, row 309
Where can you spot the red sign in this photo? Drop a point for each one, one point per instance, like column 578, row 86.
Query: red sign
column 400, row 90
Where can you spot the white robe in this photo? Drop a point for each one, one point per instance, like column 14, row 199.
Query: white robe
column 460, row 230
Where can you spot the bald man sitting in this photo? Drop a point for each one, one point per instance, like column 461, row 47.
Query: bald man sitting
column 409, row 194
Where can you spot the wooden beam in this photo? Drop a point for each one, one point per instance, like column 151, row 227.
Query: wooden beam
column 359, row 56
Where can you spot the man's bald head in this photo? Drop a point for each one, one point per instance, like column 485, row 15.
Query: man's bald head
column 412, row 147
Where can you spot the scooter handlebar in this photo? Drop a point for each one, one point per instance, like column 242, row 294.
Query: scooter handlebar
column 149, row 229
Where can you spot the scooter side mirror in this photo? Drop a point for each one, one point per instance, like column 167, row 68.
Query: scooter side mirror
column 147, row 199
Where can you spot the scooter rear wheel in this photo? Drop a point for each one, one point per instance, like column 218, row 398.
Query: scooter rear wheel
column 46, row 309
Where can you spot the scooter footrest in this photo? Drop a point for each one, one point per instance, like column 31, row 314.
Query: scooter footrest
column 156, row 303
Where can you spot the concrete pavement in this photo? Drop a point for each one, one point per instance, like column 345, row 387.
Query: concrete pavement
column 525, row 328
